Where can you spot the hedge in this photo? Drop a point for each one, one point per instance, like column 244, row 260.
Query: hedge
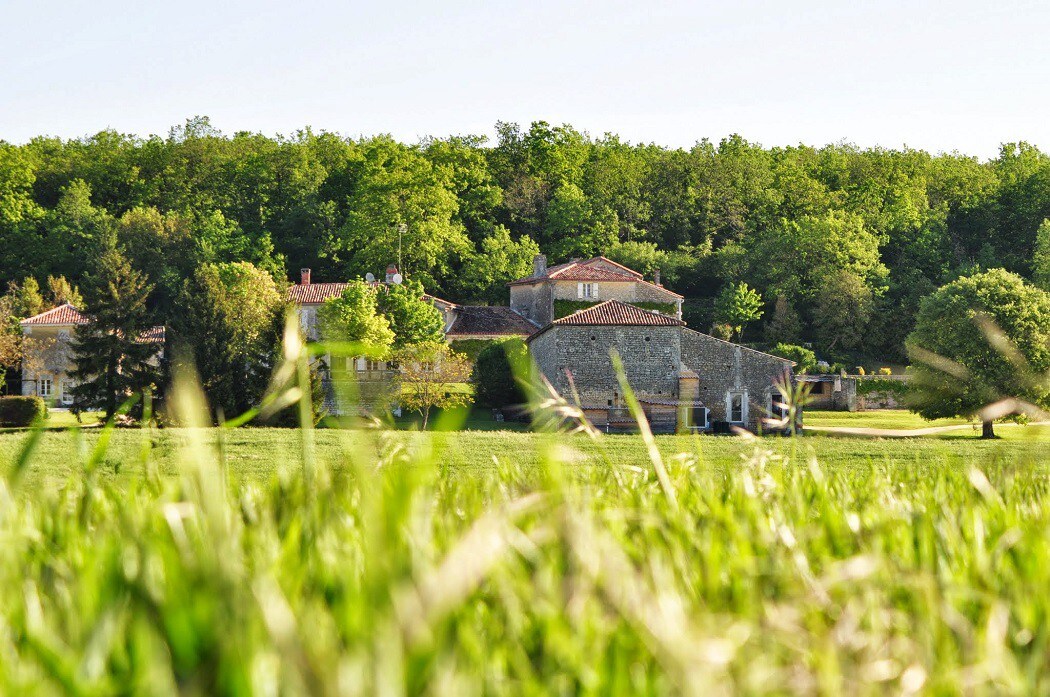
column 21, row 411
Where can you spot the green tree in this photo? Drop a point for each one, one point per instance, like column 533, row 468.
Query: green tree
column 785, row 326
column 402, row 210
column 1041, row 258
column 412, row 318
column 842, row 311
column 432, row 376
column 112, row 358
column 736, row 306
column 978, row 340
column 805, row 359
column 228, row 324
column 499, row 260
column 354, row 317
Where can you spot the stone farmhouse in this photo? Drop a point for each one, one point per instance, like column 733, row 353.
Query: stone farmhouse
column 683, row 379
column 572, row 315
column 48, row 362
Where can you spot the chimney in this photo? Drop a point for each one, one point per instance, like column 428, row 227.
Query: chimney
column 390, row 271
column 539, row 266
column 304, row 276
column 656, row 277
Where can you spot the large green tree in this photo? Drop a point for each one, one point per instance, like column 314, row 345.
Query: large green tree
column 354, row 317
column 228, row 324
column 977, row 341
column 113, row 358
column 411, row 316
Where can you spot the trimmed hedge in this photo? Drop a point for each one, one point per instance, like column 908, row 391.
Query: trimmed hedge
column 21, row 411
column 493, row 374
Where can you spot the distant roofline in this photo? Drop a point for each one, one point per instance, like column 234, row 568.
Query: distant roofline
column 634, row 276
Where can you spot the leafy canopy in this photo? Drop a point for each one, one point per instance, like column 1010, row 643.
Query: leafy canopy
column 977, row 340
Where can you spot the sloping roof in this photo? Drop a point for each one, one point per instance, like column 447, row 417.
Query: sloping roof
column 437, row 302
column 485, row 320
column 619, row 313
column 153, row 335
column 63, row 314
column 315, row 293
column 593, row 269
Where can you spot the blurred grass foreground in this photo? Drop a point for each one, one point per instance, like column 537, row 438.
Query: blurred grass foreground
column 398, row 573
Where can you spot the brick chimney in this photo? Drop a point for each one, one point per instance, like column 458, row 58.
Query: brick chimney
column 539, row 266
column 656, row 277
column 304, row 277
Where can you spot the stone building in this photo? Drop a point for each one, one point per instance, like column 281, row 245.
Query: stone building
column 683, row 379
column 367, row 381
column 583, row 282
column 48, row 354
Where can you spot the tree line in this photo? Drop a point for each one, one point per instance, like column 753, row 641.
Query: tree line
column 839, row 243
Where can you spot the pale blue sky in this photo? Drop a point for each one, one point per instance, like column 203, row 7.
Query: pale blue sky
column 938, row 75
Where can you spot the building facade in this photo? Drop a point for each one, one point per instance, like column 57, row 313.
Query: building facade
column 578, row 283
column 47, row 362
column 683, row 379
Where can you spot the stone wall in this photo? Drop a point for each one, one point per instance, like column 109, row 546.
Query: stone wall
column 726, row 368
column 651, row 357
column 626, row 291
column 533, row 301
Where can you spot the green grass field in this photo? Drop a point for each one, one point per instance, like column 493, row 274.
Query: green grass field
column 265, row 561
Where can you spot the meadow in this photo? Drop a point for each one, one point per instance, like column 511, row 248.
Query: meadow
column 267, row 561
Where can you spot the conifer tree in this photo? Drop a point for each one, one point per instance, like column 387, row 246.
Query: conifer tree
column 111, row 357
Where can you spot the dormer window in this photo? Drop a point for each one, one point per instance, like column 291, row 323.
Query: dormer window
column 586, row 291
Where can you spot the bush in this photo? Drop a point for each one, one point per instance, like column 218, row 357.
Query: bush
column 493, row 374
column 805, row 360
column 885, row 371
column 21, row 411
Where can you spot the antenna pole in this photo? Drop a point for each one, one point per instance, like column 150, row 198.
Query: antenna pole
column 400, row 230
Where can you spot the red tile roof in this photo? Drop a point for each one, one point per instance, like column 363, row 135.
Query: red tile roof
column 585, row 270
column 593, row 269
column 63, row 314
column 614, row 312
column 485, row 320
column 315, row 293
column 153, row 335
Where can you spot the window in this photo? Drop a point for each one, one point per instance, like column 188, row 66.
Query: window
column 586, row 291
column 67, row 394
column 735, row 408
column 698, row 417
column 368, row 365
column 45, row 387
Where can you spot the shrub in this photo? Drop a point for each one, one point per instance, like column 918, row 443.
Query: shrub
column 860, row 370
column 21, row 411
column 805, row 360
column 723, row 331
column 493, row 374
column 885, row 371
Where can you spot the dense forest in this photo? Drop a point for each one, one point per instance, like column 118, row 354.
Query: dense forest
column 840, row 242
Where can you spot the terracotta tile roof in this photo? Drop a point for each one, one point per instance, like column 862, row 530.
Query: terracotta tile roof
column 585, row 270
column 484, row 320
column 315, row 293
column 153, row 335
column 614, row 312
column 63, row 314
column 590, row 270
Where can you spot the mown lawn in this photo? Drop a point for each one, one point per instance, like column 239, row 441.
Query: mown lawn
column 257, row 453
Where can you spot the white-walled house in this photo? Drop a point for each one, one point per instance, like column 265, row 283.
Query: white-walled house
column 48, row 355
